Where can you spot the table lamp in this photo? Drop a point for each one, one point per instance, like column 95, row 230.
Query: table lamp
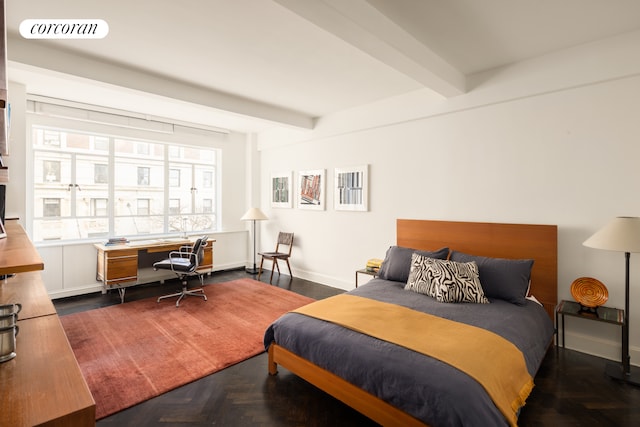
column 253, row 214
column 622, row 234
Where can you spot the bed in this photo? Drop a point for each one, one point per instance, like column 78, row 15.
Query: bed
column 396, row 384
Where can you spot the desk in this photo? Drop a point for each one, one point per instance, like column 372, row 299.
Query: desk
column 118, row 266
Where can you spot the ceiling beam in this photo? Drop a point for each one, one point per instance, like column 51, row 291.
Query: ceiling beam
column 45, row 56
column 363, row 26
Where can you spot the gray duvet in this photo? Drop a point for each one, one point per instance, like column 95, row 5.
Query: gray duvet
column 426, row 388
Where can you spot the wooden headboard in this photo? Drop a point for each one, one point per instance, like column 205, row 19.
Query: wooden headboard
column 517, row 241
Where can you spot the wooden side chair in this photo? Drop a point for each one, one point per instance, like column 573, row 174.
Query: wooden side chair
column 282, row 252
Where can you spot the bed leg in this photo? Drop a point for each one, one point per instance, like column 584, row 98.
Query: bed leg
column 273, row 366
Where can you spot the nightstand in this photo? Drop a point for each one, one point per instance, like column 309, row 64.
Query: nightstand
column 601, row 314
column 365, row 271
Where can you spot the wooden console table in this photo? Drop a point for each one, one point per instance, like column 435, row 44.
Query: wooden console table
column 118, row 265
column 43, row 384
column 18, row 253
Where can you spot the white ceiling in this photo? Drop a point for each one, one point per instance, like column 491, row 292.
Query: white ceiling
column 249, row 64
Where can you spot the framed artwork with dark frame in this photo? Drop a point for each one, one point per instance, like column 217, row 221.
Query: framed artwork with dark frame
column 311, row 185
column 351, row 188
column 281, row 190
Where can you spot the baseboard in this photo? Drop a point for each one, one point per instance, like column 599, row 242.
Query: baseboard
column 229, row 267
column 233, row 268
column 326, row 280
column 606, row 349
column 64, row 293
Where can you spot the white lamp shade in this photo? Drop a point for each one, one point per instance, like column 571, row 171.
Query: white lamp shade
column 254, row 214
column 622, row 234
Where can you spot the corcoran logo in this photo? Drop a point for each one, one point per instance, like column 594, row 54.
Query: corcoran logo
column 64, row 29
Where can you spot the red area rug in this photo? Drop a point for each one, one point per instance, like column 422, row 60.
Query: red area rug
column 134, row 351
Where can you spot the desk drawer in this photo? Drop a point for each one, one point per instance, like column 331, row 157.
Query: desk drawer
column 207, row 259
column 120, row 267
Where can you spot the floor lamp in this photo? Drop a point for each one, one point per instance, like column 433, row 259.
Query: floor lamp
column 622, row 234
column 253, row 214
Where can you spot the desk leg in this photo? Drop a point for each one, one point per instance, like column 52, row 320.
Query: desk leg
column 562, row 330
column 356, row 279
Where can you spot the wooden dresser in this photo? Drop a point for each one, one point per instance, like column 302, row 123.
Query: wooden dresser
column 42, row 385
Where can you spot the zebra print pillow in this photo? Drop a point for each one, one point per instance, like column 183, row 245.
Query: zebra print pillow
column 446, row 281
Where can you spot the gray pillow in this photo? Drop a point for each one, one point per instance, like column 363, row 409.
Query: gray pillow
column 506, row 279
column 397, row 262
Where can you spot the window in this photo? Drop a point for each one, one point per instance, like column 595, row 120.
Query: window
column 51, row 207
column 51, row 170
column 207, row 179
column 197, row 184
column 174, row 177
column 143, row 176
column 99, row 207
column 88, row 185
column 175, row 152
column 207, row 205
column 100, row 143
column 142, row 207
column 100, row 174
column 142, row 148
column 174, row 206
column 51, row 138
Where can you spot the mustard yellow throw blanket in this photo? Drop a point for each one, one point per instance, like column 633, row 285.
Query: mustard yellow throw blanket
column 491, row 360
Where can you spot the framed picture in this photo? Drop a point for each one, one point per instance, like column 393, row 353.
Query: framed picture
column 351, row 188
column 281, row 190
column 311, row 189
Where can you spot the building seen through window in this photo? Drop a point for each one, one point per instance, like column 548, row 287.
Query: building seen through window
column 90, row 186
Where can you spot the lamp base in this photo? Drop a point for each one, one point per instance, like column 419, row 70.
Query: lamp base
column 251, row 270
column 615, row 371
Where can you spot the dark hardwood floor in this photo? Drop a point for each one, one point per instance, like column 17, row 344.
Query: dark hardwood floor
column 571, row 388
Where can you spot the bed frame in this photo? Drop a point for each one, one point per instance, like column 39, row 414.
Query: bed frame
column 519, row 241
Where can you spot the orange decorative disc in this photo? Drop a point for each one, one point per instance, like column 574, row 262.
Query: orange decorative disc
column 589, row 292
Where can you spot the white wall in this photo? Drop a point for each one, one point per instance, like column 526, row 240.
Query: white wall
column 552, row 141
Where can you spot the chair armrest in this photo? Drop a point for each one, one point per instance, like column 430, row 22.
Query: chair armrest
column 180, row 254
column 176, row 255
column 183, row 255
